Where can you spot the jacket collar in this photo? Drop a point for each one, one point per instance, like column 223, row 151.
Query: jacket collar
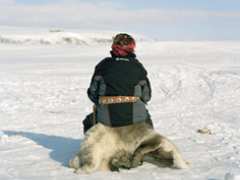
column 130, row 56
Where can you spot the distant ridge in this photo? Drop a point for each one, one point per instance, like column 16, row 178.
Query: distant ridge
column 56, row 37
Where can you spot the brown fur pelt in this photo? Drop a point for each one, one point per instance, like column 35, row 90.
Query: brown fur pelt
column 105, row 148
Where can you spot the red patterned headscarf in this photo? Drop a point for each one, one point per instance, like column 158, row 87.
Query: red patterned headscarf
column 123, row 44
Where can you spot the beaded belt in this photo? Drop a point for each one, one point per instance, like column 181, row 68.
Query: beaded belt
column 117, row 99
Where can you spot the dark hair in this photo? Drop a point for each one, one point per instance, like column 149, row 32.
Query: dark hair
column 123, row 39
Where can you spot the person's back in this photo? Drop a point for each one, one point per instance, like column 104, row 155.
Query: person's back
column 120, row 87
column 120, row 75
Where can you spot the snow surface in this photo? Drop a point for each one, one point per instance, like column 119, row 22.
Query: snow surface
column 43, row 101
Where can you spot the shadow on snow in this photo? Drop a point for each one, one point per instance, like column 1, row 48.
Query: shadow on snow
column 62, row 148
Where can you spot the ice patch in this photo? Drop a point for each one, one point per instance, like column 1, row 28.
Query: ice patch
column 1, row 134
column 3, row 137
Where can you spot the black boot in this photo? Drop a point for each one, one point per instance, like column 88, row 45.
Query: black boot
column 88, row 122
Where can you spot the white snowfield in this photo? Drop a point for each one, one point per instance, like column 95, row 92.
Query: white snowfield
column 43, row 102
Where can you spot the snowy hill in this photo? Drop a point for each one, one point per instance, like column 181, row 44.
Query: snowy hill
column 55, row 37
column 43, row 101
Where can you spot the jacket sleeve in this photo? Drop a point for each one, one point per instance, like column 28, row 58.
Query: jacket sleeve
column 97, row 86
column 146, row 90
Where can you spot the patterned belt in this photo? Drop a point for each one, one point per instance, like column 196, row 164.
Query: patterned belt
column 117, row 99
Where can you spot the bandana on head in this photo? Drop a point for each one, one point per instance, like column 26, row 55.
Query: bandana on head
column 123, row 45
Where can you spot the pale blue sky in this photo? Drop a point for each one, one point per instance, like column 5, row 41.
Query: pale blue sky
column 162, row 19
column 231, row 5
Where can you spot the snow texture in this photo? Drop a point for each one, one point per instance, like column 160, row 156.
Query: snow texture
column 43, row 102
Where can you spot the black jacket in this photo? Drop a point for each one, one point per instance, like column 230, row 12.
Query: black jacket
column 120, row 76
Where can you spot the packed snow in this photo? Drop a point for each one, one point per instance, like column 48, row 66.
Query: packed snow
column 43, row 101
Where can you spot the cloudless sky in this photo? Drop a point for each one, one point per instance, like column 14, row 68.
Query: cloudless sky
column 197, row 20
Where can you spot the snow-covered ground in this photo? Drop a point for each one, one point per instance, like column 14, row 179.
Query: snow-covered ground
column 43, row 102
